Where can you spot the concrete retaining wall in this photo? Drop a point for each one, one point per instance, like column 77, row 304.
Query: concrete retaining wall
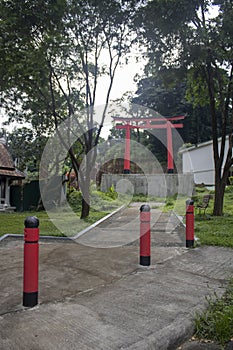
column 161, row 185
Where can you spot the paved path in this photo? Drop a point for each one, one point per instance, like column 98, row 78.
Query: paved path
column 100, row 298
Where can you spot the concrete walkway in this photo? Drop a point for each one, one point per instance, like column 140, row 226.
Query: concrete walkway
column 94, row 295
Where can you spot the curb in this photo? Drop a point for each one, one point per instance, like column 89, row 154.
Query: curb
column 85, row 230
column 178, row 336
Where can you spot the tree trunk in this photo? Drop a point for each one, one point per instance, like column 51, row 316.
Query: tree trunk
column 219, row 198
column 85, row 209
column 85, row 189
column 220, row 186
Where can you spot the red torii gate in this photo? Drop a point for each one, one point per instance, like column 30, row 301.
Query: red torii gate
column 149, row 123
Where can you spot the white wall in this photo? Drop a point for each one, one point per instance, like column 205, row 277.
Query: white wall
column 199, row 160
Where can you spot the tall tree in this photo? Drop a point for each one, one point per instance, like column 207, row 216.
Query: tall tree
column 165, row 92
column 197, row 36
column 55, row 69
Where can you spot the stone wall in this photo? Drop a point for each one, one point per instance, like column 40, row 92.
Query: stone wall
column 161, row 185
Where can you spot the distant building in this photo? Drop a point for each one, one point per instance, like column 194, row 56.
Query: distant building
column 8, row 173
column 199, row 160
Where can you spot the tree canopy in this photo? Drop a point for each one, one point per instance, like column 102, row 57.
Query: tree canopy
column 194, row 38
column 52, row 55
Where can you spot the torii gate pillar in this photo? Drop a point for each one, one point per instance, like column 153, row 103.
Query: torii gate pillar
column 149, row 123
column 170, row 161
column 127, row 150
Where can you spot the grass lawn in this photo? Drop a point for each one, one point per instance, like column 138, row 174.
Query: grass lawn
column 215, row 230
column 211, row 230
column 13, row 223
column 65, row 222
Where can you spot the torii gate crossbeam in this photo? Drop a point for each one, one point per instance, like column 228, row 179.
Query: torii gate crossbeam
column 149, row 123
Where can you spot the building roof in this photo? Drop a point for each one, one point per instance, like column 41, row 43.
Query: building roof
column 7, row 167
column 203, row 144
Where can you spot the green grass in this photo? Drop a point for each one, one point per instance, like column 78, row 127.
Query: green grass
column 216, row 231
column 63, row 222
column 211, row 230
column 13, row 223
column 216, row 323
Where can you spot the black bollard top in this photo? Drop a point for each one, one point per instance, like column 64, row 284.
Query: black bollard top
column 189, row 202
column 31, row 222
column 145, row 208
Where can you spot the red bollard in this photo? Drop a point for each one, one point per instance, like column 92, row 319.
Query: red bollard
column 31, row 261
column 189, row 223
column 145, row 235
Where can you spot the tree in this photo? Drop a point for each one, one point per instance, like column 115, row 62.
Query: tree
column 25, row 147
column 165, row 92
column 197, row 36
column 54, row 69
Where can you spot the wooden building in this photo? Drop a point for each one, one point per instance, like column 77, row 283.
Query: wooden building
column 8, row 174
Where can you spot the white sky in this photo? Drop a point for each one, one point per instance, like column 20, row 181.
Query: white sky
column 123, row 82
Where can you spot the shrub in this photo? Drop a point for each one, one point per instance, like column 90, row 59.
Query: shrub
column 75, row 200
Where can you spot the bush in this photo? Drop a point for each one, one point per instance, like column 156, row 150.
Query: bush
column 231, row 180
column 98, row 200
column 75, row 200
column 229, row 189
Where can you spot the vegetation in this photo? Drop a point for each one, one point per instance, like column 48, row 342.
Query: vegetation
column 214, row 230
column 51, row 58
column 210, row 229
column 191, row 42
column 145, row 198
column 167, row 95
column 216, row 323
column 26, row 148
column 14, row 223
column 102, row 204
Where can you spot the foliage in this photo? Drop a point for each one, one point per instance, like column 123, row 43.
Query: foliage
column 50, row 64
column 196, row 37
column 156, row 91
column 216, row 323
column 99, row 200
column 111, row 193
column 75, row 200
column 26, row 147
